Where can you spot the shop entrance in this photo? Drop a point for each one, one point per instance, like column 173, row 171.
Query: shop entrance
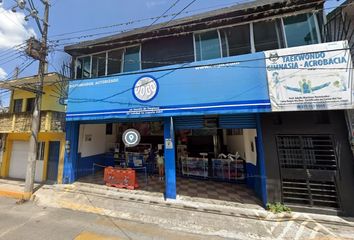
column 102, row 145
column 217, row 158
column 204, row 158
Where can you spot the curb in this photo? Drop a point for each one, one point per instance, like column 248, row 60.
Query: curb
column 12, row 194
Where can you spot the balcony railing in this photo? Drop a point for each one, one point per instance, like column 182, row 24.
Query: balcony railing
column 21, row 122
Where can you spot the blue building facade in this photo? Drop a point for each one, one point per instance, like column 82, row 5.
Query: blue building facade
column 209, row 74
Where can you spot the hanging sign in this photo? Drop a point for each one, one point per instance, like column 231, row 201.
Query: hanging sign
column 131, row 138
column 314, row 77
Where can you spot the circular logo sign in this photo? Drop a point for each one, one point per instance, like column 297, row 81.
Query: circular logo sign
column 145, row 88
column 131, row 138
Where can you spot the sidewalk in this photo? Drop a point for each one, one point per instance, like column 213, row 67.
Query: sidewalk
column 12, row 188
column 190, row 215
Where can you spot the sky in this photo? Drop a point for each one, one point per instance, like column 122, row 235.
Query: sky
column 67, row 16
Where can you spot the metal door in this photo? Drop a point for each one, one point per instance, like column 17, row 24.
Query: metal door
column 53, row 161
column 308, row 169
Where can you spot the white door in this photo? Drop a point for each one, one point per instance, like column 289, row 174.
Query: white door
column 18, row 162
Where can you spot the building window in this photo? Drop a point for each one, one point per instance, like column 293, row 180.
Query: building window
column 30, row 104
column 300, row 30
column 83, row 67
column 109, row 128
column 40, row 151
column 114, row 63
column 131, row 59
column 267, row 36
column 99, row 65
column 237, row 40
column 207, row 45
column 108, row 63
column 17, row 105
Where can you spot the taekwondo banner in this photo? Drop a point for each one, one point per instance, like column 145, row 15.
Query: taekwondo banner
column 314, row 77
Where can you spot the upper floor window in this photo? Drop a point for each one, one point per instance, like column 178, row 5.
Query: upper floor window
column 30, row 104
column 107, row 63
column 207, row 45
column 301, row 30
column 17, row 108
column 267, row 36
column 236, row 40
column 83, row 67
column 131, row 59
column 99, row 65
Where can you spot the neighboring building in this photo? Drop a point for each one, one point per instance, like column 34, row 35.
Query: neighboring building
column 15, row 128
column 340, row 23
column 243, row 79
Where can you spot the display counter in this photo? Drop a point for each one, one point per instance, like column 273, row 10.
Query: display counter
column 229, row 169
column 194, row 166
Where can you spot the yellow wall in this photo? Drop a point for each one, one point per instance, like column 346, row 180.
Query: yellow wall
column 42, row 137
column 50, row 101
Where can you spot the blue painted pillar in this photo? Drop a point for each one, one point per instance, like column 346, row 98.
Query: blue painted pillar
column 71, row 156
column 170, row 159
column 262, row 182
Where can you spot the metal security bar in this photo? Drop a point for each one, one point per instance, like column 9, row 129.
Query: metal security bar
column 309, row 152
column 308, row 165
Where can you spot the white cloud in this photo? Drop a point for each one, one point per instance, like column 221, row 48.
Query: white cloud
column 13, row 28
column 154, row 3
column 3, row 74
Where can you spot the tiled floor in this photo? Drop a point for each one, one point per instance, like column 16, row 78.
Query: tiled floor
column 208, row 189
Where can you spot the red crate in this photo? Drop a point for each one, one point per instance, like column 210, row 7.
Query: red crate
column 120, row 178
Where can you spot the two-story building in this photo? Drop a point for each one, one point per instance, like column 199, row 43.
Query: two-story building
column 340, row 25
column 245, row 101
column 15, row 127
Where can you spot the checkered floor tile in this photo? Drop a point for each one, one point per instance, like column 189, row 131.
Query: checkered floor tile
column 209, row 189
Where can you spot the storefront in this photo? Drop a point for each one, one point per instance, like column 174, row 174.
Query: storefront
column 204, row 116
column 215, row 120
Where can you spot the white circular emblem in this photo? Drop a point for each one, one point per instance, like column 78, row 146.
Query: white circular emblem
column 145, row 89
column 131, row 138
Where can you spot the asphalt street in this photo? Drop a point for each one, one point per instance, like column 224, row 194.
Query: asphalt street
column 30, row 222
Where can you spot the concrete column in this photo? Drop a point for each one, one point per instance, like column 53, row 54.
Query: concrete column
column 71, row 152
column 170, row 159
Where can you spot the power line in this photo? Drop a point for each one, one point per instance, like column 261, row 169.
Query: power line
column 166, row 11
column 55, row 42
column 172, row 27
column 140, row 20
column 180, row 12
column 225, row 64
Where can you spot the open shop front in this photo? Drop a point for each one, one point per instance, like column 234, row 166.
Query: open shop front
column 102, row 145
column 217, row 158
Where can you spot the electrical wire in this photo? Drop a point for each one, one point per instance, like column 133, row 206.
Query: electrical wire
column 175, row 27
column 179, row 13
column 225, row 64
column 55, row 43
column 141, row 20
column 166, row 11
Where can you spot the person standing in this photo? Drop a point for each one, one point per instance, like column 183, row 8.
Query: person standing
column 160, row 165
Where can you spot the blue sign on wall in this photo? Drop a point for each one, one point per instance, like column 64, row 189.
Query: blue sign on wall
column 219, row 86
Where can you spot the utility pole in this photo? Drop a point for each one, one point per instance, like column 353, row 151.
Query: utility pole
column 39, row 52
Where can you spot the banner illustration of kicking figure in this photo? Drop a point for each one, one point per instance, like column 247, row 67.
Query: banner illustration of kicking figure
column 314, row 77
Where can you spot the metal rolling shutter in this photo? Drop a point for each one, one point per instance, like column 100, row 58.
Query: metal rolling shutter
column 238, row 121
column 193, row 122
